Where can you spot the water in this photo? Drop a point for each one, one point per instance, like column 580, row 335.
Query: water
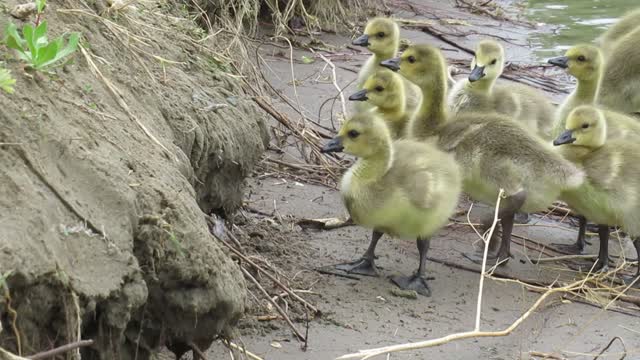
column 577, row 21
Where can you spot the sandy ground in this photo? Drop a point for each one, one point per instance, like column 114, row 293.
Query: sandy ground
column 362, row 313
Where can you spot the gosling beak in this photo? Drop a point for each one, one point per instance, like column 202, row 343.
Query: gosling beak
column 393, row 64
column 561, row 61
column 359, row 96
column 565, row 138
column 334, row 145
column 477, row 73
column 362, row 40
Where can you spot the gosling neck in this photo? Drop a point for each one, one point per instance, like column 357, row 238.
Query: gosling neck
column 433, row 111
column 587, row 89
column 483, row 85
column 575, row 153
column 386, row 54
column 374, row 167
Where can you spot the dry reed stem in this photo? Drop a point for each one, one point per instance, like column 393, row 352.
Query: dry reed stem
column 476, row 333
column 484, row 260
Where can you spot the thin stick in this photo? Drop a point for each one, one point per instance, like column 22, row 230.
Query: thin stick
column 275, row 304
column 609, row 345
column 565, row 257
column 334, row 79
column 484, row 260
column 249, row 354
column 367, row 354
column 61, row 350
column 271, row 277
column 197, row 350
column 545, row 355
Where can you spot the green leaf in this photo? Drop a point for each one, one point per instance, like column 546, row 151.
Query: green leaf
column 13, row 40
column 71, row 47
column 6, row 83
column 40, row 35
column 40, row 4
column 27, row 32
column 308, row 60
column 47, row 54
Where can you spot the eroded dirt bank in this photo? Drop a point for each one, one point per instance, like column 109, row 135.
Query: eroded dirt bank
column 107, row 168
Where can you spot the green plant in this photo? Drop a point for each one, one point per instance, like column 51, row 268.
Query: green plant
column 6, row 81
column 34, row 47
column 40, row 5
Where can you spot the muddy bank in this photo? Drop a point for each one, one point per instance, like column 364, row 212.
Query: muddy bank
column 107, row 169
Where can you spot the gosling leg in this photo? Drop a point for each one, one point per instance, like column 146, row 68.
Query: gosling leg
column 578, row 247
column 506, row 215
column 366, row 264
column 521, row 218
column 635, row 280
column 417, row 281
column 602, row 263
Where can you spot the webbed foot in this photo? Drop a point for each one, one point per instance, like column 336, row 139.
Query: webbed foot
column 574, row 249
column 521, row 218
column 362, row 266
column 413, row 282
column 492, row 259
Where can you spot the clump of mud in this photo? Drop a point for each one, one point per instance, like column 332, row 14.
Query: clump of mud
column 107, row 167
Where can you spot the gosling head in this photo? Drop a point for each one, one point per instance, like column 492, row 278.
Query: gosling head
column 383, row 89
column 364, row 135
column 581, row 61
column 381, row 36
column 420, row 64
column 585, row 126
column 488, row 62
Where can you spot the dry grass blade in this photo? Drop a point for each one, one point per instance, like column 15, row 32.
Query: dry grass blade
column 119, row 98
column 275, row 304
column 476, row 333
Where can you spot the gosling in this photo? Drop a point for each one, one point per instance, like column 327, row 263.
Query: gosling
column 493, row 151
column 479, row 92
column 403, row 188
column 382, row 37
column 385, row 90
column 610, row 196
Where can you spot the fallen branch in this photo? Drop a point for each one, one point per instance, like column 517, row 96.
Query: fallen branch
column 60, row 350
column 609, row 345
column 476, row 333
column 367, row 354
column 271, row 277
column 275, row 304
column 334, row 79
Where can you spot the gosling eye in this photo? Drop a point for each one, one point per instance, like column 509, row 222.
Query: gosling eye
column 379, row 88
column 353, row 134
column 494, row 61
column 380, row 34
column 585, row 126
column 582, row 58
column 411, row 59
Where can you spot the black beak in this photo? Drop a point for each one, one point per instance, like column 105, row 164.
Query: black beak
column 561, row 61
column 334, row 145
column 477, row 73
column 393, row 64
column 362, row 40
column 565, row 138
column 359, row 96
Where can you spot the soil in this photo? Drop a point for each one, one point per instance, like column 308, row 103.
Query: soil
column 363, row 312
column 108, row 167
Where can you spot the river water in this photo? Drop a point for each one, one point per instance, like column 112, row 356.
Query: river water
column 575, row 21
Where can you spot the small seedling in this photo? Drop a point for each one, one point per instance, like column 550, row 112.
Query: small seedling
column 87, row 89
column 6, row 81
column 35, row 49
